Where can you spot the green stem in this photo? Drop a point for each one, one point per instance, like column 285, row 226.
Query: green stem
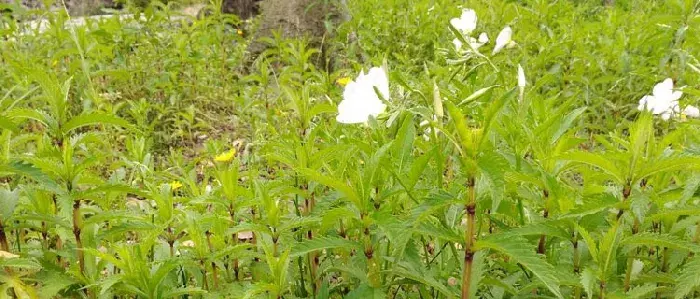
column 76, row 233
column 470, row 208
column 577, row 268
column 4, row 245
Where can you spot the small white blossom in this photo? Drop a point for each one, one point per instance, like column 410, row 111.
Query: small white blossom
column 360, row 101
column 691, row 111
column 466, row 23
column 663, row 101
column 504, row 39
column 475, row 43
column 521, row 77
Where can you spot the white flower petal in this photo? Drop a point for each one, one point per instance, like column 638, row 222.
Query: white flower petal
column 503, row 39
column 360, row 100
column 691, row 111
column 521, row 77
column 466, row 23
column 664, row 89
column 378, row 78
column 483, row 38
column 457, row 43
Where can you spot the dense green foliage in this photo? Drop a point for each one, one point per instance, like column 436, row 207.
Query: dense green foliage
column 142, row 158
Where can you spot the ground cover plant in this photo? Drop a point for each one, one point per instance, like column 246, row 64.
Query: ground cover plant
column 435, row 149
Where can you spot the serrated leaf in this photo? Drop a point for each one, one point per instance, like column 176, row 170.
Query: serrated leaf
column 8, row 202
column 668, row 165
column 7, row 124
column 520, row 250
column 598, row 161
column 407, row 271
column 590, row 243
column 663, row 240
column 364, row 291
column 493, row 166
column 95, row 118
column 688, row 279
column 588, row 281
column 536, row 229
column 333, row 183
column 183, row 291
column 403, row 144
column 321, row 243
column 642, row 291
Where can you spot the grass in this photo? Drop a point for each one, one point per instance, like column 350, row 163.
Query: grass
column 147, row 157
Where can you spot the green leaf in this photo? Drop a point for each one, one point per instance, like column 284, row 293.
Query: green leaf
column 588, row 281
column 322, row 243
column 590, row 243
column 599, row 161
column 554, row 229
column 439, row 231
column 403, row 144
column 688, row 279
column 465, row 136
column 8, row 202
column 365, row 291
column 183, row 291
column 663, row 240
column 477, row 94
column 412, row 273
column 493, row 166
column 333, row 183
column 520, row 250
column 20, row 263
column 608, row 248
column 28, row 170
column 95, row 118
column 642, row 291
column 490, row 114
column 7, row 124
column 668, row 165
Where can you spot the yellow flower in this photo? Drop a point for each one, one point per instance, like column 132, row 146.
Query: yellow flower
column 343, row 81
column 174, row 185
column 226, row 156
column 240, row 32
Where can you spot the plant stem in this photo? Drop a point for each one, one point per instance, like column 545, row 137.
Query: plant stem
column 214, row 273
column 541, row 249
column 577, row 267
column 76, row 233
column 234, row 239
column 664, row 268
column 469, row 237
column 626, row 191
column 4, row 245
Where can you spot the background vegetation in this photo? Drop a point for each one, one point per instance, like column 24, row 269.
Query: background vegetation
column 143, row 157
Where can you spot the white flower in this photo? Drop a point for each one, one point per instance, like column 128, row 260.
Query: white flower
column 637, row 267
column 360, row 101
column 475, row 43
column 521, row 77
column 465, row 23
column 504, row 39
column 483, row 38
column 663, row 101
column 188, row 243
column 691, row 111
